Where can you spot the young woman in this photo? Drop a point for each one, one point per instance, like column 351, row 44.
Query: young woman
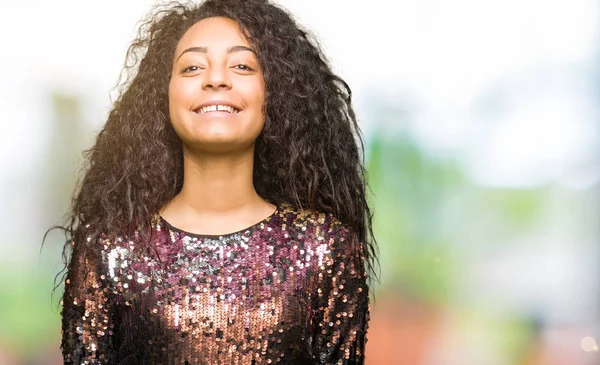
column 222, row 216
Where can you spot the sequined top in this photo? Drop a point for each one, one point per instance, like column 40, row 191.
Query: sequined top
column 289, row 289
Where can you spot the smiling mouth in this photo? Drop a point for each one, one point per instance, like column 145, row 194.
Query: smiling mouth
column 217, row 108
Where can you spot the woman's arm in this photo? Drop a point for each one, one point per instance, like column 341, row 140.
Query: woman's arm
column 341, row 305
column 87, row 326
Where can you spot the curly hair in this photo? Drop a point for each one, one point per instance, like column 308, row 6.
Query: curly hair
column 307, row 154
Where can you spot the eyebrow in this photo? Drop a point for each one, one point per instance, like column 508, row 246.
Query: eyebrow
column 205, row 50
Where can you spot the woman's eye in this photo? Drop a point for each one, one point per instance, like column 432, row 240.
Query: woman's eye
column 244, row 67
column 190, row 68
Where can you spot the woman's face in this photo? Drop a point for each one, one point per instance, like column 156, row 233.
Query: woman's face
column 217, row 90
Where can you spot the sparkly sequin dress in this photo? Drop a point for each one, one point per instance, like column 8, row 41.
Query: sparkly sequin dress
column 287, row 290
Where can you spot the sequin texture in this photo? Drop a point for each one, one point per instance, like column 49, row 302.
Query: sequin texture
column 287, row 290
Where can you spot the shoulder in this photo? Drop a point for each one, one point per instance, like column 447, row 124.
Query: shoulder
column 324, row 227
column 306, row 216
column 96, row 248
column 333, row 249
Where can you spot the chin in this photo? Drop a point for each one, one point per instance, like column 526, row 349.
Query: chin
column 217, row 143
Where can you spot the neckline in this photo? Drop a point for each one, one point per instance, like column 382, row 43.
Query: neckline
column 216, row 236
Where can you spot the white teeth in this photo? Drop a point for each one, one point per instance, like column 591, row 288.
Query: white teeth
column 212, row 108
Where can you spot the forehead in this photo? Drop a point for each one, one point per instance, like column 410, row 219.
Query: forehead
column 213, row 32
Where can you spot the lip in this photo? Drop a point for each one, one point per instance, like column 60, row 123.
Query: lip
column 216, row 102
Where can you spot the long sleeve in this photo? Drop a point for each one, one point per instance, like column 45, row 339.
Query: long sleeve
column 87, row 312
column 341, row 304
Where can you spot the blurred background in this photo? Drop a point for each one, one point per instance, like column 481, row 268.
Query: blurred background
column 481, row 121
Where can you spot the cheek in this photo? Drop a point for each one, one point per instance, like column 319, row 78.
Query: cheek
column 182, row 93
column 179, row 103
column 255, row 94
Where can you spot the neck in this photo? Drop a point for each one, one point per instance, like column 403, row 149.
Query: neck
column 218, row 183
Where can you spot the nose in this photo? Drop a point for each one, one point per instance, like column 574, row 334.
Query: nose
column 216, row 78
